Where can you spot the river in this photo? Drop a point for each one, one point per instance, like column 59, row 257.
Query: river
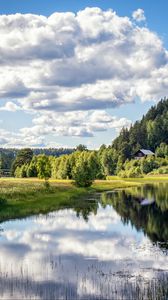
column 114, row 247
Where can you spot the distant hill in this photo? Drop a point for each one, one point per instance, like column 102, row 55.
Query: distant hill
column 148, row 133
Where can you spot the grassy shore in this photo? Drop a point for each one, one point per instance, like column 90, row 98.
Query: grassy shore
column 145, row 179
column 24, row 197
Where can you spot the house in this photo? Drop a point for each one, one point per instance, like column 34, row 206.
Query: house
column 143, row 153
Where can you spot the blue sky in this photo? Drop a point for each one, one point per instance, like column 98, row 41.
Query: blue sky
column 155, row 11
column 59, row 104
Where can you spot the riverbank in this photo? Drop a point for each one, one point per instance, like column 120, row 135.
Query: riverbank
column 21, row 198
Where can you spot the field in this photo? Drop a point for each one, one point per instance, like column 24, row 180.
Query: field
column 24, row 197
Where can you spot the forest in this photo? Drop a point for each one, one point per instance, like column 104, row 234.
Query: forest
column 84, row 166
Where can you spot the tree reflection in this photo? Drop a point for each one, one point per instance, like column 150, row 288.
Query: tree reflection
column 152, row 219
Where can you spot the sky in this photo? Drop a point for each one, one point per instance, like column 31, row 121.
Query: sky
column 78, row 71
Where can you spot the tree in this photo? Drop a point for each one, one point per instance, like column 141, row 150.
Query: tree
column 44, row 168
column 24, row 156
column 21, row 172
column 64, row 171
column 81, row 148
column 108, row 160
column 32, row 169
column 83, row 173
column 95, row 165
column 162, row 150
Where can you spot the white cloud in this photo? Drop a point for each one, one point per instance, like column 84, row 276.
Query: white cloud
column 139, row 15
column 77, row 124
column 20, row 140
column 10, row 106
column 92, row 60
column 80, row 123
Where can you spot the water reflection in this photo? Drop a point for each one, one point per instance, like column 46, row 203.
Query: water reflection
column 101, row 250
column 151, row 218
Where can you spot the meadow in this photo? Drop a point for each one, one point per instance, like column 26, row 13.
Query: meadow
column 24, row 197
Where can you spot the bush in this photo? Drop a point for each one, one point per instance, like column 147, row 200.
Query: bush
column 21, row 172
column 83, row 173
column 148, row 164
column 161, row 170
column 31, row 170
column 123, row 174
column 134, row 172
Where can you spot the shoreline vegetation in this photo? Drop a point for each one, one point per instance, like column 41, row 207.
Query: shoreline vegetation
column 21, row 198
column 137, row 151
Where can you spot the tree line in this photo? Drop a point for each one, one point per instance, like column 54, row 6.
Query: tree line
column 84, row 166
column 7, row 155
column 148, row 133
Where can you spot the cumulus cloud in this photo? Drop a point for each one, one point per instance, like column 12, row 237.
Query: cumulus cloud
column 77, row 124
column 81, row 123
column 92, row 60
column 10, row 106
column 139, row 15
column 20, row 140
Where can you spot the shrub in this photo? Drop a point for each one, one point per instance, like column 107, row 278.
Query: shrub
column 161, row 170
column 83, row 172
column 148, row 164
column 134, row 172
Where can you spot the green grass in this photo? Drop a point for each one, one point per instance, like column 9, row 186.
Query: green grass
column 106, row 185
column 24, row 197
column 154, row 178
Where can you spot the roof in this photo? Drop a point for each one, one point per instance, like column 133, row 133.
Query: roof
column 146, row 152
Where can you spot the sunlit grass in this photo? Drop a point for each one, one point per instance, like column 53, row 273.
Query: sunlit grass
column 143, row 179
column 28, row 196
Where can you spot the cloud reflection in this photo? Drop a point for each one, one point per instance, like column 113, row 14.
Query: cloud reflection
column 62, row 255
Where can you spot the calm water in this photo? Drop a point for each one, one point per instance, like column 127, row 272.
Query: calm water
column 115, row 247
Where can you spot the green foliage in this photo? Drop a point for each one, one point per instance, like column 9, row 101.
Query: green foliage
column 134, row 172
column 22, row 197
column 81, row 148
column 32, row 169
column 108, row 159
column 148, row 133
column 24, row 156
column 162, row 150
column 83, row 172
column 21, row 172
column 143, row 166
column 148, row 164
column 95, row 165
column 43, row 167
column 7, row 155
column 84, row 165
column 161, row 170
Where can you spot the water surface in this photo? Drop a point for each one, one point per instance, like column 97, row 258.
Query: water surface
column 114, row 247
